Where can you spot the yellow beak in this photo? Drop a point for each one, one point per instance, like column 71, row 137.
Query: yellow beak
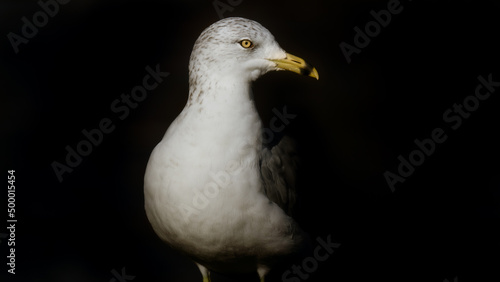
column 297, row 65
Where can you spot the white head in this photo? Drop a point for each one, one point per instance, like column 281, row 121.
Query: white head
column 238, row 47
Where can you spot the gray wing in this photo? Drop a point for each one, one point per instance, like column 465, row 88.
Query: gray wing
column 278, row 167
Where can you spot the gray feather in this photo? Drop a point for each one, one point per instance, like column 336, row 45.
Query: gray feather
column 278, row 167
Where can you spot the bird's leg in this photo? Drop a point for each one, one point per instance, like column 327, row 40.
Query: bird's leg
column 204, row 272
column 262, row 270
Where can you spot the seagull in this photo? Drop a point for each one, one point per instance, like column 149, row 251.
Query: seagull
column 213, row 190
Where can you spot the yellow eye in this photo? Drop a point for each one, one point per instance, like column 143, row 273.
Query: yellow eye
column 245, row 43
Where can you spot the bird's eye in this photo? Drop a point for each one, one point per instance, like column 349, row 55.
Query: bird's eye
column 245, row 43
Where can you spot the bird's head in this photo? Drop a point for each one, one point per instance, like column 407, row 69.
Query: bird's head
column 243, row 48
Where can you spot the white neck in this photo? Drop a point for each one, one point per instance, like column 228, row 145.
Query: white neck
column 222, row 116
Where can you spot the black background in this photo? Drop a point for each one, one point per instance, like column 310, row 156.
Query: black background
column 351, row 126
